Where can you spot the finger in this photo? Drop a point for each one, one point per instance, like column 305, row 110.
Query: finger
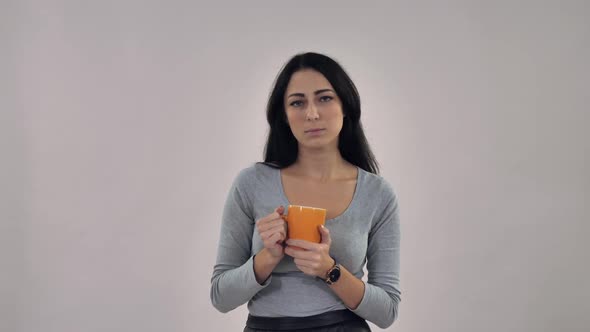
column 280, row 209
column 268, row 234
column 273, row 239
column 303, row 244
column 325, row 233
column 272, row 219
column 293, row 252
column 302, row 254
column 279, row 229
column 276, row 214
column 306, row 263
column 265, row 226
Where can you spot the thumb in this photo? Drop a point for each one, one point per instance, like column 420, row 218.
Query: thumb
column 325, row 233
column 280, row 210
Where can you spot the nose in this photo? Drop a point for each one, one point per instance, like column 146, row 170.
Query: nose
column 312, row 113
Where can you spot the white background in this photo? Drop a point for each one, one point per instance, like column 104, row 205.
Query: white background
column 123, row 123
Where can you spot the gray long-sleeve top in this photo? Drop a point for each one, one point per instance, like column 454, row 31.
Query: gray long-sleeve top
column 368, row 231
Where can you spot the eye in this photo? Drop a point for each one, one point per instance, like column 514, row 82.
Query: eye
column 326, row 98
column 296, row 103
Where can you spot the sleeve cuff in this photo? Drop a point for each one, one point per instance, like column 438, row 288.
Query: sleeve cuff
column 377, row 306
column 251, row 281
column 363, row 308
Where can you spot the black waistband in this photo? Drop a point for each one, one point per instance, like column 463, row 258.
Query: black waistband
column 295, row 323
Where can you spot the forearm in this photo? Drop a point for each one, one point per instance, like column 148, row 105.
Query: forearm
column 366, row 300
column 264, row 264
column 349, row 288
column 378, row 306
column 233, row 287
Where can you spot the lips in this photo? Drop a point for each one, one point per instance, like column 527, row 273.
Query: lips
column 314, row 130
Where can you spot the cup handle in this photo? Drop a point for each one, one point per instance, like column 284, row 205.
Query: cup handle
column 284, row 217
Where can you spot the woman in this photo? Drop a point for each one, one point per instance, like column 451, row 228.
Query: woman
column 316, row 155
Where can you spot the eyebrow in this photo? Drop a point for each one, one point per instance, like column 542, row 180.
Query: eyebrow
column 316, row 93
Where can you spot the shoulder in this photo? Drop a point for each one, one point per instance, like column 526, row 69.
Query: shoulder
column 377, row 185
column 254, row 174
column 382, row 200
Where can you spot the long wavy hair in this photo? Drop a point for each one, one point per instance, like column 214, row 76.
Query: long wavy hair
column 281, row 149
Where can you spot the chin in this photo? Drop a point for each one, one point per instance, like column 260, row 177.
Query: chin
column 320, row 144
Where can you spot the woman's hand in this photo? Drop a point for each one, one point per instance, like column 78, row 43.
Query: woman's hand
column 314, row 259
column 273, row 232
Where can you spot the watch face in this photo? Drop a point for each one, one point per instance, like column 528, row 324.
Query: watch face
column 335, row 274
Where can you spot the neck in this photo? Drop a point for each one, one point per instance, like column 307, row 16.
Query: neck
column 320, row 165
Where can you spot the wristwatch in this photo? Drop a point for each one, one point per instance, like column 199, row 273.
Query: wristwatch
column 333, row 274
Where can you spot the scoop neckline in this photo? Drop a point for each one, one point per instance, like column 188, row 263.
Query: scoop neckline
column 348, row 208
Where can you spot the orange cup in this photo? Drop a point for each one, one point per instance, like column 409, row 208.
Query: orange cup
column 303, row 223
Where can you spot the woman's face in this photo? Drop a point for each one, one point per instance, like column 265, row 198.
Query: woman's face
column 314, row 111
